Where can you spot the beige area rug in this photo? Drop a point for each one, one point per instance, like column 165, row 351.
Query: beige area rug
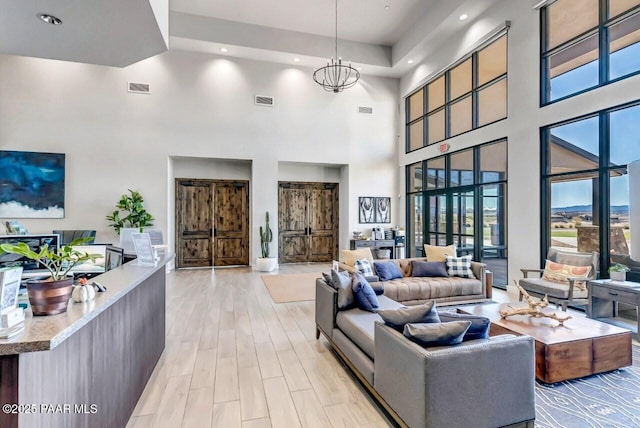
column 292, row 287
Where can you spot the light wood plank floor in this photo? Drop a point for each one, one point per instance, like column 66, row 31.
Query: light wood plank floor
column 233, row 358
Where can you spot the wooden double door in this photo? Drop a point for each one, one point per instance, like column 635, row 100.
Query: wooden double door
column 307, row 222
column 212, row 223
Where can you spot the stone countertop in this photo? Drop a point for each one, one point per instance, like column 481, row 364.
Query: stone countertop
column 43, row 333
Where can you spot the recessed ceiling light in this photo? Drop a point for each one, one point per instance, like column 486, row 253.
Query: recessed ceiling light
column 463, row 17
column 50, row 19
column 387, row 7
column 296, row 60
column 224, row 50
column 410, row 61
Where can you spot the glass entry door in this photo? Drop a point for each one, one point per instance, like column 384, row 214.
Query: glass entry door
column 437, row 226
column 463, row 221
column 452, row 219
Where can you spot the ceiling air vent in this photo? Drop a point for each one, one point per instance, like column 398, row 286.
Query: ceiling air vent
column 263, row 100
column 365, row 110
column 139, row 88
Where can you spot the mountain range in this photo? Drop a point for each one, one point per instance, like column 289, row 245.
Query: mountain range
column 615, row 209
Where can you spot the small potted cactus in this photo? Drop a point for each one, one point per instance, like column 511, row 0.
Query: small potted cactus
column 266, row 263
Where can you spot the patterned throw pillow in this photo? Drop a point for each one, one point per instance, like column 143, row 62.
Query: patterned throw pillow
column 558, row 272
column 364, row 267
column 460, row 266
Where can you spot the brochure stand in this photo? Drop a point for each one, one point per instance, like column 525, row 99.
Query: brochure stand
column 144, row 250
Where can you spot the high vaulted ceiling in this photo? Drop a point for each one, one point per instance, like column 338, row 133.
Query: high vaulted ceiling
column 366, row 21
column 380, row 36
column 378, row 39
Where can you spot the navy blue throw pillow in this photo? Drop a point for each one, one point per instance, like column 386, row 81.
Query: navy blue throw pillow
column 365, row 296
column 443, row 334
column 387, row 271
column 430, row 269
column 479, row 328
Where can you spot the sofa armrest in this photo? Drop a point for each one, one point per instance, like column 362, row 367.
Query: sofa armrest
column 326, row 307
column 456, row 385
column 480, row 271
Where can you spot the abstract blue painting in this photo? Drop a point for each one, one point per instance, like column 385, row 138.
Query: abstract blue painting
column 31, row 185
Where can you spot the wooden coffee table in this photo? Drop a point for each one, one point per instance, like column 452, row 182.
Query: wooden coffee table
column 581, row 347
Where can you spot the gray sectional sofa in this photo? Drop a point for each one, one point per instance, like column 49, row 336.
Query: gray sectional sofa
column 479, row 383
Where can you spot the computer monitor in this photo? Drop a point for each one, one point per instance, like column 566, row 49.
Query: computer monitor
column 126, row 238
column 68, row 236
column 114, row 257
column 29, row 267
column 91, row 267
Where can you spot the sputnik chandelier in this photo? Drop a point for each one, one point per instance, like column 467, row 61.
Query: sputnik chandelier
column 336, row 76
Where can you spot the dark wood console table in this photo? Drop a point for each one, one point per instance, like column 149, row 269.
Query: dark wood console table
column 374, row 244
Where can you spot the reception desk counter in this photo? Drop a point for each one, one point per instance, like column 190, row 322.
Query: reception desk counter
column 87, row 367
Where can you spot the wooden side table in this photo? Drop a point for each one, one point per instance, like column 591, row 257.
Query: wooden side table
column 604, row 296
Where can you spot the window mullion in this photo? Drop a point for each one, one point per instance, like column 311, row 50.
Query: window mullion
column 447, row 108
column 425, row 127
column 604, row 189
column 603, row 44
column 475, row 116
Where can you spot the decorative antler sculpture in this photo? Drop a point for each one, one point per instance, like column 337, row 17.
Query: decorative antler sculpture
column 534, row 309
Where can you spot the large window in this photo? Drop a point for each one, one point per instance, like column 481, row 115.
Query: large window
column 471, row 94
column 588, row 43
column 461, row 198
column 588, row 174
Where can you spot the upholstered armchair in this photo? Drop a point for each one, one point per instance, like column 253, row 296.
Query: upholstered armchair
column 562, row 291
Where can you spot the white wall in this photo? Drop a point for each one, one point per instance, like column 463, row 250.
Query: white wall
column 213, row 169
column 200, row 106
column 525, row 118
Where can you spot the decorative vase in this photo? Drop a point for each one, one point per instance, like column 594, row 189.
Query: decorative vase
column 49, row 297
column 266, row 264
column 618, row 276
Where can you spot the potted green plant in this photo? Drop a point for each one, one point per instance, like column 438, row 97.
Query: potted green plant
column 130, row 212
column 266, row 263
column 51, row 296
column 618, row 272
